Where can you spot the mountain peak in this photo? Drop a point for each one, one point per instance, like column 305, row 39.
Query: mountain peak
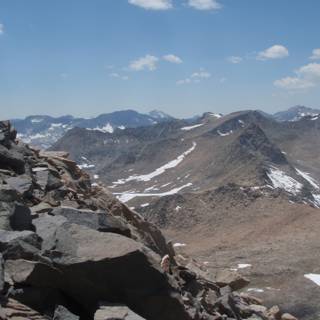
column 255, row 141
column 210, row 116
column 295, row 113
column 157, row 114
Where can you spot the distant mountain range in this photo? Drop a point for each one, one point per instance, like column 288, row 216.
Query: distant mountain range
column 245, row 148
column 43, row 131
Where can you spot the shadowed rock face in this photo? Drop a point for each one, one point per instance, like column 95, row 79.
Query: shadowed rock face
column 254, row 140
column 72, row 251
column 1, row 274
column 12, row 159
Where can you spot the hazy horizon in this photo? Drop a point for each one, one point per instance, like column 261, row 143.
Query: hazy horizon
column 142, row 112
column 181, row 57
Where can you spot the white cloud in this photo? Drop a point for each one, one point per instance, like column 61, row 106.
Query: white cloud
column 184, row 81
column 152, row 4
column 1, row 29
column 147, row 62
column 205, row 4
column 293, row 83
column 307, row 76
column 234, row 59
column 172, row 58
column 310, row 71
column 201, row 75
column 315, row 54
column 118, row 76
column 274, row 52
column 196, row 77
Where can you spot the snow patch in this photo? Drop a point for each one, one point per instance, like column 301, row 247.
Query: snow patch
column 86, row 166
column 223, row 134
column 192, row 127
column 307, row 177
column 95, row 176
column 159, row 171
column 281, row 180
column 178, row 244
column 316, row 201
column 105, row 129
column 55, row 125
column 313, row 277
column 38, row 169
column 244, row 265
column 37, row 136
column 274, row 289
column 151, row 188
column 145, row 204
column 216, row 115
column 165, row 185
column 36, row 120
column 255, row 290
column 301, row 115
column 125, row 197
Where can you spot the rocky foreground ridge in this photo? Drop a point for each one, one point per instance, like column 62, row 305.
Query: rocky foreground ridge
column 70, row 250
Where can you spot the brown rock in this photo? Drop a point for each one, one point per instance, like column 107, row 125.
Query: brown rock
column 116, row 312
column 256, row 308
column 274, row 313
column 248, row 298
column 54, row 154
column 62, row 313
column 288, row 316
column 12, row 309
column 232, row 279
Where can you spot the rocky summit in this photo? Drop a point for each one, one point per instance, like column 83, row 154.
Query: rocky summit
column 70, row 250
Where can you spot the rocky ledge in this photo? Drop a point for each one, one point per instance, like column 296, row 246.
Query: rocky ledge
column 70, row 250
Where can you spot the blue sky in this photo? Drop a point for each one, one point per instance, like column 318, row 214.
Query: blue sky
column 86, row 57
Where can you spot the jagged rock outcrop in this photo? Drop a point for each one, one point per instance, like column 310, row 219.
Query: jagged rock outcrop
column 111, row 312
column 72, row 251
